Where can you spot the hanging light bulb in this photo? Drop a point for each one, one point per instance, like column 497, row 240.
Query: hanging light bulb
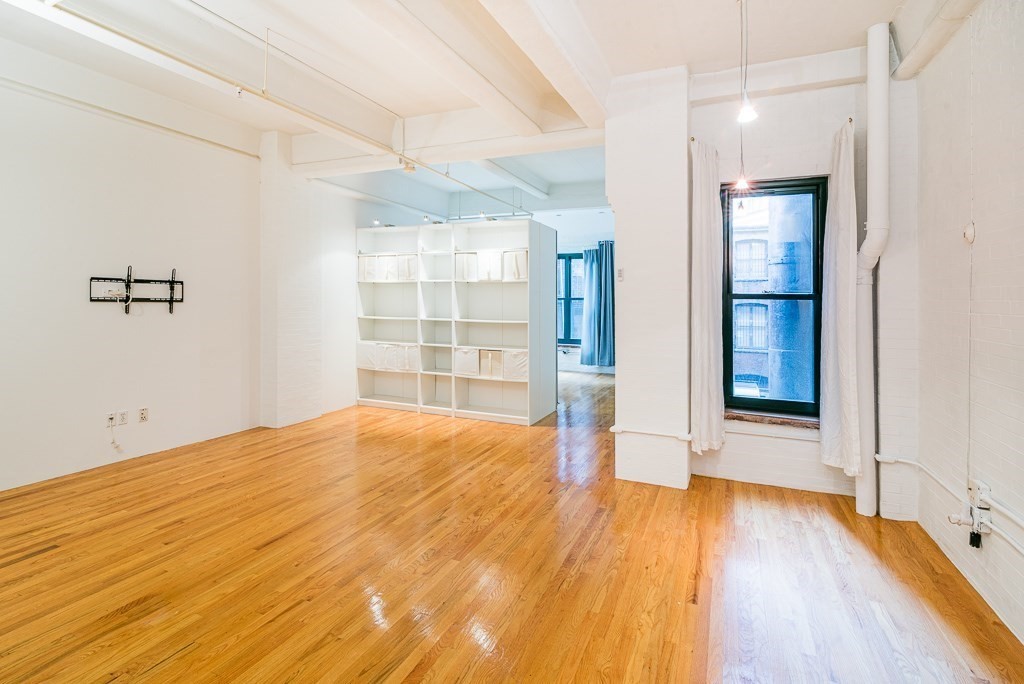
column 747, row 111
column 741, row 183
column 408, row 166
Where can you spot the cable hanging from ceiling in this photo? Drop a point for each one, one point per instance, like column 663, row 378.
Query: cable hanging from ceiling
column 747, row 112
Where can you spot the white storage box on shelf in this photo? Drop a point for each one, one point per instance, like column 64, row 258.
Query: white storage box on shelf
column 475, row 304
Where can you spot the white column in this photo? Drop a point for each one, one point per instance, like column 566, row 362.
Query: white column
column 648, row 187
column 291, row 378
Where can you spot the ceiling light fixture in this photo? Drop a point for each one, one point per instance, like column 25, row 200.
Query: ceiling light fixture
column 747, row 111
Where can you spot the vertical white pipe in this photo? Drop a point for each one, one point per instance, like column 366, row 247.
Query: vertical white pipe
column 874, row 243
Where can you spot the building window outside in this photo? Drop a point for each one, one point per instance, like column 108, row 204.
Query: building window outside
column 750, row 327
column 752, row 260
column 772, row 295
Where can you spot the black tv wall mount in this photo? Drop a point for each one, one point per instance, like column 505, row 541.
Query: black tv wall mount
column 175, row 290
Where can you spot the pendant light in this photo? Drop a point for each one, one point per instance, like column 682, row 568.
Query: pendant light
column 747, row 112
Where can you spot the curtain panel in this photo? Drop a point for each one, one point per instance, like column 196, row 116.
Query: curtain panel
column 707, row 396
column 597, row 341
column 840, row 419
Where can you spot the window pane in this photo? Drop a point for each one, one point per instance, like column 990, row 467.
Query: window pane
column 560, row 330
column 577, row 319
column 577, row 278
column 561, row 278
column 773, row 349
column 773, row 244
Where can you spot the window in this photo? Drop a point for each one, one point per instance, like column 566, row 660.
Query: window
column 570, row 298
column 751, row 260
column 771, row 297
column 750, row 327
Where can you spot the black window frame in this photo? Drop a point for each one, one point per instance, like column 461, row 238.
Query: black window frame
column 818, row 187
column 566, row 302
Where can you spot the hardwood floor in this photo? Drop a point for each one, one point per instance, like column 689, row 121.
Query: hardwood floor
column 372, row 545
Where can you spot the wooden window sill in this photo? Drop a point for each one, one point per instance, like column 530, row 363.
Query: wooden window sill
column 807, row 423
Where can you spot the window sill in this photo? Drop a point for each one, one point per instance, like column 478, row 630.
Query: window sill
column 804, row 422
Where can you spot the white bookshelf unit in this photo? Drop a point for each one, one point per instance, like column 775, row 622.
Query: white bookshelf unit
column 458, row 319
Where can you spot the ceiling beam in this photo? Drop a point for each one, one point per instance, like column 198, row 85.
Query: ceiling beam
column 308, row 163
column 407, row 28
column 553, row 35
column 826, row 70
column 158, row 57
column 567, row 196
column 348, row 166
column 519, row 177
column 397, row 191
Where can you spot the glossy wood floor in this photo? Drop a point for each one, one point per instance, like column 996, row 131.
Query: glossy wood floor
column 372, row 545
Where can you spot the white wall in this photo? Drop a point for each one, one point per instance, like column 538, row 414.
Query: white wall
column 309, row 291
column 579, row 229
column 646, row 151
column 84, row 195
column 791, row 138
column 972, row 392
column 336, row 216
column 291, row 374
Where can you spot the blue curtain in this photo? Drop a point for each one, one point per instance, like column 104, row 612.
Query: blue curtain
column 597, row 342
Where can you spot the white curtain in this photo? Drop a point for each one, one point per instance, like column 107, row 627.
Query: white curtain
column 840, row 422
column 707, row 400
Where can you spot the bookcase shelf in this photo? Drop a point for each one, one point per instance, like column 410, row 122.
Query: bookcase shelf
column 461, row 317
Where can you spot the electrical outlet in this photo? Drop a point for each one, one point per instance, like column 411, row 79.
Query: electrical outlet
column 122, row 417
column 143, row 415
column 979, row 493
column 110, row 418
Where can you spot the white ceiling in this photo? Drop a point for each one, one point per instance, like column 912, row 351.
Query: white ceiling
column 584, row 165
column 451, row 72
column 640, row 35
column 333, row 37
column 44, row 36
column 580, row 228
column 467, row 172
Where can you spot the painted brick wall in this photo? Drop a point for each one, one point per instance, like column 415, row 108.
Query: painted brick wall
column 291, row 293
column 972, row 390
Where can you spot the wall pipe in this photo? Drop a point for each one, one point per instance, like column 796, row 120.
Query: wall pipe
column 996, row 529
column 621, row 430
column 936, row 34
column 871, row 249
